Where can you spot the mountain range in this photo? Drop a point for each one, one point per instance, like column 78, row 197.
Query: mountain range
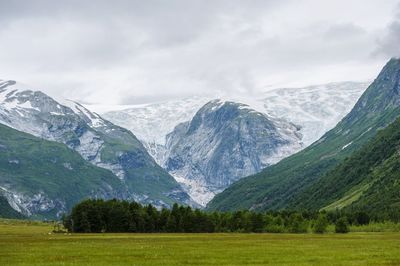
column 321, row 176
column 269, row 152
column 134, row 173
column 225, row 141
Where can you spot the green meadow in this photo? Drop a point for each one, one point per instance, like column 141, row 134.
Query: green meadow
column 32, row 243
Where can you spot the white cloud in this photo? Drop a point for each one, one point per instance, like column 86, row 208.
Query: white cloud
column 138, row 51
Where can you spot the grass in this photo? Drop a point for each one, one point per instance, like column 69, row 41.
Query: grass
column 29, row 243
column 348, row 199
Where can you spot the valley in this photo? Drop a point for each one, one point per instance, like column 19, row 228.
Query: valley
column 300, row 116
column 200, row 132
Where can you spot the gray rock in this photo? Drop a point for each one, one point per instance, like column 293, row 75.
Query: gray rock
column 224, row 142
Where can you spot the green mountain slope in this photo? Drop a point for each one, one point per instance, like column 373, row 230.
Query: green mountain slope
column 46, row 178
column 145, row 180
column 97, row 140
column 368, row 180
column 281, row 185
column 6, row 211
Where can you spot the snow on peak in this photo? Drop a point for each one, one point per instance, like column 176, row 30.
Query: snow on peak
column 14, row 96
column 152, row 122
column 94, row 119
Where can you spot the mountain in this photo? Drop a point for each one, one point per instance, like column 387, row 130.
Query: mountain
column 224, row 142
column 43, row 178
column 6, row 211
column 283, row 185
column 317, row 109
column 97, row 140
column 313, row 109
column 369, row 180
column 151, row 123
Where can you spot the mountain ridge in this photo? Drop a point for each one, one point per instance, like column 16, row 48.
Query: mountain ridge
column 315, row 109
column 97, row 140
column 278, row 186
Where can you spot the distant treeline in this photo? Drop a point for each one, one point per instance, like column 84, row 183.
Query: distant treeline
column 95, row 216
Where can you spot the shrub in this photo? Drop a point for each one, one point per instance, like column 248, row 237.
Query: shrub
column 320, row 224
column 297, row 224
column 342, row 226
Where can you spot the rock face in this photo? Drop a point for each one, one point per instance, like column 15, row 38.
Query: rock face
column 97, row 140
column 224, row 142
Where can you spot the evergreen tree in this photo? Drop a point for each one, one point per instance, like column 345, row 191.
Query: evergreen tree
column 92, row 216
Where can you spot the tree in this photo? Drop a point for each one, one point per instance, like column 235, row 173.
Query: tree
column 151, row 219
column 162, row 221
column 320, row 224
column 342, row 225
column 67, row 222
column 362, row 218
column 297, row 224
column 171, row 225
column 84, row 223
column 136, row 218
column 257, row 222
column 275, row 224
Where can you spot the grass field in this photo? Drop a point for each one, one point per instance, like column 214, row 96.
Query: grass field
column 31, row 244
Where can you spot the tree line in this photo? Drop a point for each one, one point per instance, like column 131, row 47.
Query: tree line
column 96, row 215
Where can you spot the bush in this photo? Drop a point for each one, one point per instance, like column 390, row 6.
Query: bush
column 342, row 226
column 297, row 224
column 320, row 224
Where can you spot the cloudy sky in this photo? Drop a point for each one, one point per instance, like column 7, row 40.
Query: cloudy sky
column 129, row 52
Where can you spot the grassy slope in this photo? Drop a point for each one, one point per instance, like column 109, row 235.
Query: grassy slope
column 281, row 185
column 30, row 165
column 368, row 180
column 30, row 244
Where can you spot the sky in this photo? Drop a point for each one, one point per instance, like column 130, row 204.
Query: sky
column 134, row 52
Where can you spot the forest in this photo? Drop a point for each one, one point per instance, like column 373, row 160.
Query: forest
column 96, row 215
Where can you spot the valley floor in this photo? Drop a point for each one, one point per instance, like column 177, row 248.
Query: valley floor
column 24, row 243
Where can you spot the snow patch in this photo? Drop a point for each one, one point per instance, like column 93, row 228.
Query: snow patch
column 197, row 190
column 347, row 145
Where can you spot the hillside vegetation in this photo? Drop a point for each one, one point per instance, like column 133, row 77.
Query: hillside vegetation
column 369, row 180
column 55, row 176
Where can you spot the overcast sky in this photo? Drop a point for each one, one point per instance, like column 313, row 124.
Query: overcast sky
column 129, row 52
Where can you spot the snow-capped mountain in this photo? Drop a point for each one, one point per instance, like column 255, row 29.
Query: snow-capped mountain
column 152, row 122
column 314, row 109
column 97, row 140
column 224, row 142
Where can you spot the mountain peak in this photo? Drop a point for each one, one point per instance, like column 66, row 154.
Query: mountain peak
column 98, row 141
column 382, row 94
column 223, row 142
column 6, row 83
